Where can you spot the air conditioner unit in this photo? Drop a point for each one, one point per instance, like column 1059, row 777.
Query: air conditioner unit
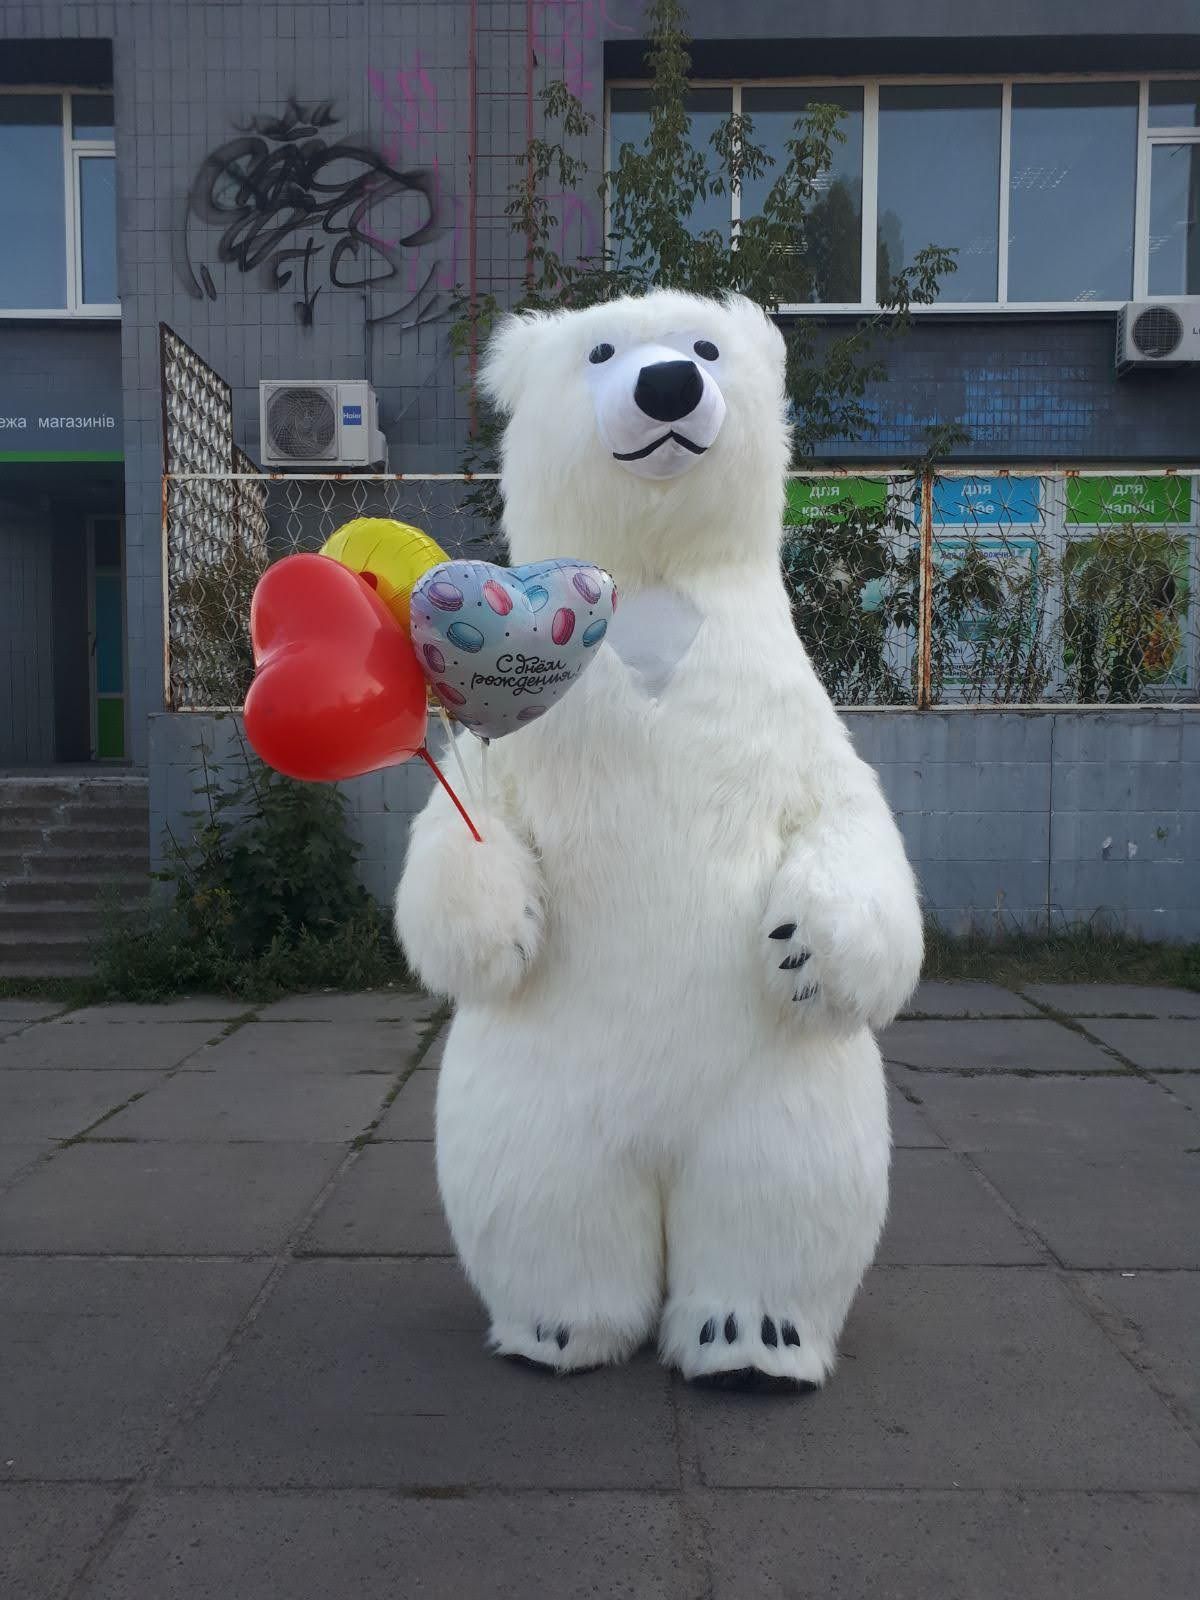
column 1158, row 333
column 315, row 424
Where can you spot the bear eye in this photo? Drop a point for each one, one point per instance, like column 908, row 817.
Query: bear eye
column 706, row 349
column 602, row 352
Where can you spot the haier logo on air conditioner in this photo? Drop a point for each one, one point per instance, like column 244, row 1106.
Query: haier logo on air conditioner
column 315, row 424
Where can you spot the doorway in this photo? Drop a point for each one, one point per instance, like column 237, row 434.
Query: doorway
column 106, row 637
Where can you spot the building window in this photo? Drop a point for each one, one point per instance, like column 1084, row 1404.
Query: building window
column 834, row 232
column 939, row 174
column 1072, row 176
column 1054, row 193
column 58, row 199
column 1173, row 127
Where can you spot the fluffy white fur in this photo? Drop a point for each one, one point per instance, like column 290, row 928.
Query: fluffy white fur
column 639, row 1124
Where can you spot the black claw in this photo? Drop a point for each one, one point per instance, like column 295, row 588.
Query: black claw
column 785, row 930
column 561, row 1337
column 790, row 1336
column 795, row 961
column 538, row 1333
column 769, row 1336
column 730, row 1328
column 708, row 1332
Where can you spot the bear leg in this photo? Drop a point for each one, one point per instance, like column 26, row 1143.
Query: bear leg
column 771, row 1222
column 560, row 1233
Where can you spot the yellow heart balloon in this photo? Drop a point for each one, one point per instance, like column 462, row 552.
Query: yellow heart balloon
column 390, row 555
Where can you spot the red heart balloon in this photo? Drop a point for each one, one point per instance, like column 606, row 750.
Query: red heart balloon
column 337, row 691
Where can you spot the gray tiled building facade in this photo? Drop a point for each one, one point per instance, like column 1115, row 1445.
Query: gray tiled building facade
column 443, row 94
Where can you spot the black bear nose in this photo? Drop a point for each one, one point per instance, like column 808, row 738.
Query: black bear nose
column 668, row 390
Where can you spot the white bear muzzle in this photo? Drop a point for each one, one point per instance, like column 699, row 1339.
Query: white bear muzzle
column 657, row 410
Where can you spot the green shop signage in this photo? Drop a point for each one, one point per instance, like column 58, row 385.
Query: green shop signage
column 1100, row 501
column 811, row 498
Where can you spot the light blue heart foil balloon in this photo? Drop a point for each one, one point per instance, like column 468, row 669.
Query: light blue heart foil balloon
column 500, row 645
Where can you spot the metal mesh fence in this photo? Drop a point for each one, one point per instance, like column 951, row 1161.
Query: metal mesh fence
column 986, row 587
column 997, row 587
column 223, row 531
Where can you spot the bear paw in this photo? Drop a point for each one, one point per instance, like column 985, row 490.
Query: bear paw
column 825, row 967
column 469, row 916
column 720, row 1348
column 560, row 1347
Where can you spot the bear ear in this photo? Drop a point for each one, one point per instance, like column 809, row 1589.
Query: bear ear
column 761, row 327
column 511, row 353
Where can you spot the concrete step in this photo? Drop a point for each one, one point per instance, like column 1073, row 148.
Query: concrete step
column 123, row 862
column 74, row 887
column 74, row 816
column 82, row 919
column 44, row 955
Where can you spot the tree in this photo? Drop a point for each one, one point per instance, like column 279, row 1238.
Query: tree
column 801, row 234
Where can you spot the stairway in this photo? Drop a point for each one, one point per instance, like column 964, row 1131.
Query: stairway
column 67, row 843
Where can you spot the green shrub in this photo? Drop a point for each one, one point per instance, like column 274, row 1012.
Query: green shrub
column 265, row 901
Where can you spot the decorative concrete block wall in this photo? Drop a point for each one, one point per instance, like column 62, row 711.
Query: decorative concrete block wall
column 1011, row 818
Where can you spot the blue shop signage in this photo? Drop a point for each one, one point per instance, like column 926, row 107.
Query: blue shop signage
column 974, row 502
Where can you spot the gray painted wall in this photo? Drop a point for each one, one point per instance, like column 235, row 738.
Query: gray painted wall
column 1011, row 819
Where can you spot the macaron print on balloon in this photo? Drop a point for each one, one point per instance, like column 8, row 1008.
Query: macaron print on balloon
column 500, row 646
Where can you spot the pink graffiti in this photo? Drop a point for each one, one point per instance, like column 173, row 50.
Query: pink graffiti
column 412, row 118
column 580, row 229
column 579, row 23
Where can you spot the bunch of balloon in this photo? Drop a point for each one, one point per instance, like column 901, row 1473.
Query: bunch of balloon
column 338, row 690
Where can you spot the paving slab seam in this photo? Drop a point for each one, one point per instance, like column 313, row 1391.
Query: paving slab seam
column 697, row 1549
column 1075, row 1025
column 140, row 1094
column 146, row 1482
column 1074, row 1290
column 1010, row 1072
column 492, row 1491
column 23, row 1028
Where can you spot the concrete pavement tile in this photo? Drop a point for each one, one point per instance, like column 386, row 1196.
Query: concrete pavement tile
column 46, row 1532
column 374, row 1374
column 967, row 1377
column 64, row 1046
column 1115, row 999
column 372, row 1005
column 57, row 1105
column 1184, row 1086
column 267, row 1104
column 327, row 1047
column 188, row 1008
column 990, row 1111
column 940, row 1214
column 23, row 1012
column 788, row 1546
column 15, row 1156
column 938, row 998
column 386, row 1204
column 165, row 1199
column 213, row 1544
column 1036, row 1045
column 1106, row 1210
column 410, row 1116
column 99, row 1356
column 1159, row 1046
column 1160, row 1312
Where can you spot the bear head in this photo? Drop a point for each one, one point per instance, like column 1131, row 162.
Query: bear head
column 648, row 434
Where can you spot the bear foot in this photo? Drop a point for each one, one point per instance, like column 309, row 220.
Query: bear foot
column 749, row 1380
column 742, row 1351
column 557, row 1347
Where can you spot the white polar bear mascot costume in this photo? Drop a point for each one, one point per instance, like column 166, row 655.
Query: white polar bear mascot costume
column 661, row 1105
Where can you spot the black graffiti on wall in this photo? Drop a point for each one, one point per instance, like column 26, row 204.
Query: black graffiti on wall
column 296, row 206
